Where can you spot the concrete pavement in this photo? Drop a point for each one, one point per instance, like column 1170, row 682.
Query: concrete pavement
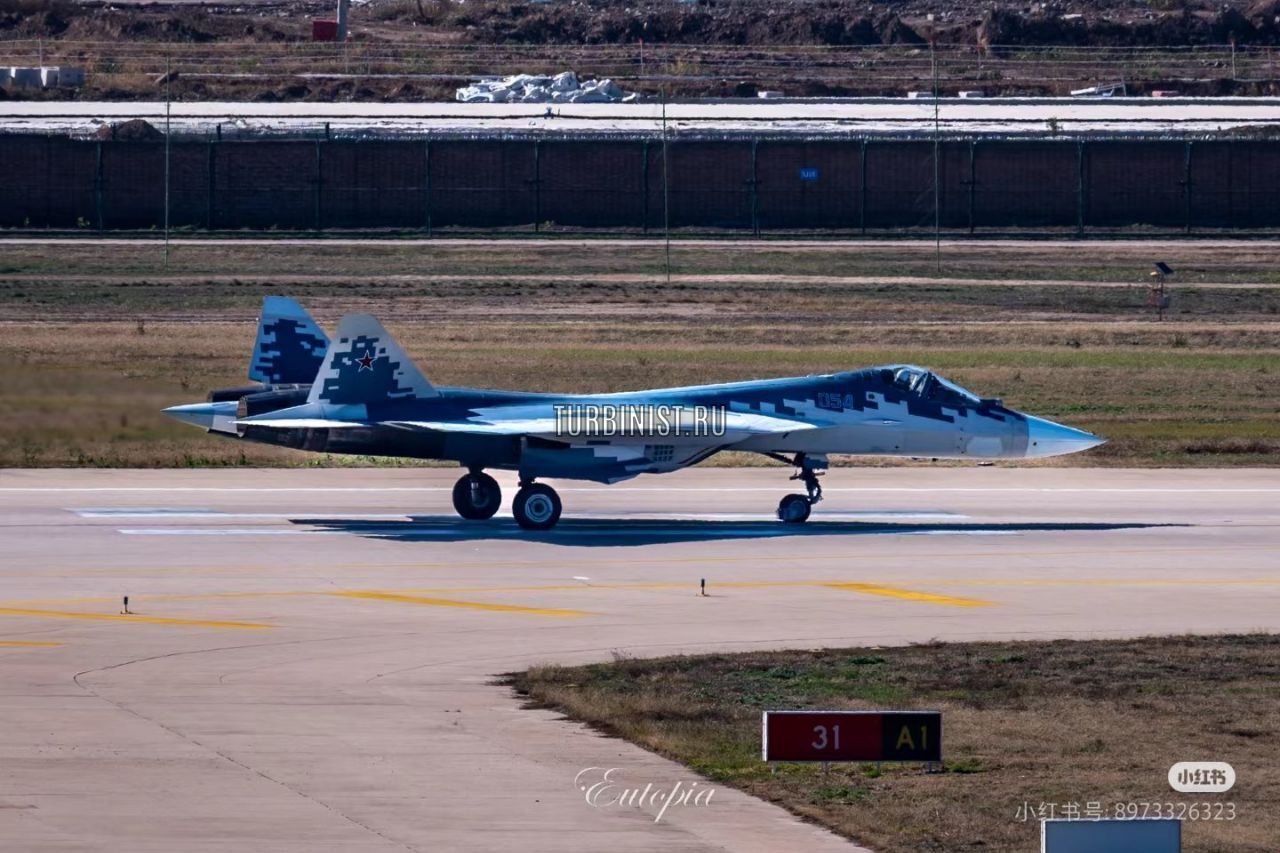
column 309, row 659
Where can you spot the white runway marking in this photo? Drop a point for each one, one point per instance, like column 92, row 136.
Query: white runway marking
column 568, row 532
column 627, row 489
column 760, row 516
column 227, row 531
column 226, row 489
column 126, row 512
column 958, row 532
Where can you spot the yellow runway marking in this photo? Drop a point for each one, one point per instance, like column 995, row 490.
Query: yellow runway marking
column 131, row 617
column 428, row 595
column 176, row 596
column 908, row 594
column 566, row 587
column 672, row 561
column 868, row 588
column 450, row 602
column 1104, row 582
column 28, row 644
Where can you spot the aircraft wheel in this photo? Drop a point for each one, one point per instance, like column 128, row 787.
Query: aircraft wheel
column 536, row 507
column 793, row 509
column 476, row 496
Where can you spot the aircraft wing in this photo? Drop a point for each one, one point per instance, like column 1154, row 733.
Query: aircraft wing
column 516, row 426
column 737, row 426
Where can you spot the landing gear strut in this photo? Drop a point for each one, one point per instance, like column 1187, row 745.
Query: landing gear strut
column 795, row 508
column 536, row 506
column 476, row 496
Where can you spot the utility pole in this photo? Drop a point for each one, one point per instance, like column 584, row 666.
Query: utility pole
column 168, row 76
column 937, row 153
column 666, row 192
column 343, row 6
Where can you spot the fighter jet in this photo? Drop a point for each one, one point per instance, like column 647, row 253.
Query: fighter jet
column 361, row 394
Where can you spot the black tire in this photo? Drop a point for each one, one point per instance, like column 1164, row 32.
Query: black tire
column 536, row 507
column 476, row 496
column 794, row 509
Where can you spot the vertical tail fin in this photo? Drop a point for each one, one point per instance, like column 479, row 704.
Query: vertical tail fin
column 366, row 365
column 290, row 347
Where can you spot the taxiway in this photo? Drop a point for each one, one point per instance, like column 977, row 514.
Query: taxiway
column 309, row 658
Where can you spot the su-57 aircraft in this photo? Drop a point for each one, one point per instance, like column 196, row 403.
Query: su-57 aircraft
column 360, row 393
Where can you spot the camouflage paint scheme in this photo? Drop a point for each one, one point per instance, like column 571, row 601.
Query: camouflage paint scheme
column 367, row 397
column 290, row 347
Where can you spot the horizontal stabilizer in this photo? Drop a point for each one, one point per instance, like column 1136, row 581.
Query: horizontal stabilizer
column 215, row 417
column 300, row 423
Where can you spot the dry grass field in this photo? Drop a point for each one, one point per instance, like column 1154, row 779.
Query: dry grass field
column 1024, row 723
column 99, row 336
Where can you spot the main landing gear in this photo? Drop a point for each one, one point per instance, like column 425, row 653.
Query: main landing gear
column 476, row 496
column 795, row 508
column 536, row 506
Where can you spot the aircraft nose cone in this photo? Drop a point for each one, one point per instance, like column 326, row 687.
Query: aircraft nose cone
column 1046, row 438
column 196, row 414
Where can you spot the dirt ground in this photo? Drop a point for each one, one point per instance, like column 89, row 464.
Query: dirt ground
column 101, row 336
column 735, row 22
column 1026, row 725
column 411, row 50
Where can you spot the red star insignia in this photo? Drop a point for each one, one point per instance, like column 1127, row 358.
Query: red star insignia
column 365, row 361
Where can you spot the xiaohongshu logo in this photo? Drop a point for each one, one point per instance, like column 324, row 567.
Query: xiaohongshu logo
column 1202, row 777
column 602, row 789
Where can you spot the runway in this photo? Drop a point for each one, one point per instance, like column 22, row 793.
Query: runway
column 309, row 656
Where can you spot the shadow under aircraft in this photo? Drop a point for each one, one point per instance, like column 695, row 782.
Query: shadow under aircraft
column 613, row 532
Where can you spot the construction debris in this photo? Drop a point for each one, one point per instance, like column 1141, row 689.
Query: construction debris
column 537, row 89
column 1102, row 90
column 133, row 130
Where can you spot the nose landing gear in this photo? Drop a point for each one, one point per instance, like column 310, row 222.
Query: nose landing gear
column 795, row 508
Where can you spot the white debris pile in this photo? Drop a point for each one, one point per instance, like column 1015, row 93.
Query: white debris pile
column 41, row 77
column 536, row 89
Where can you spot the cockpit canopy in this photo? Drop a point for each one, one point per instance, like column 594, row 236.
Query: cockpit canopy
column 910, row 378
column 928, row 385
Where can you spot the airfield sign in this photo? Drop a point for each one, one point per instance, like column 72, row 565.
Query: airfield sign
column 852, row 736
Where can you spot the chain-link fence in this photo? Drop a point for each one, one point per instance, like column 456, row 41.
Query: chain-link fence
column 753, row 186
